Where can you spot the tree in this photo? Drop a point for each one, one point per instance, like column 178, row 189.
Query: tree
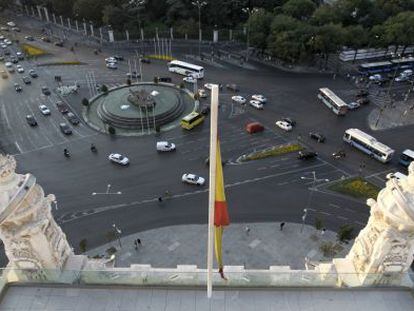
column 399, row 29
column 328, row 39
column 325, row 14
column 115, row 16
column 300, row 9
column 82, row 245
column 104, row 89
column 111, row 130
column 260, row 28
column 345, row 233
column 85, row 102
column 90, row 10
column 356, row 37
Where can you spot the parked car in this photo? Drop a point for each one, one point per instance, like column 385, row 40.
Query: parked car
column 17, row 29
column 317, row 136
column 259, row 98
column 11, row 24
column 133, row 75
column 62, row 107
column 238, row 99
column 306, row 155
column 193, row 179
column 163, row 79
column 44, row 110
column 256, row 104
column 189, row 79
column 20, row 55
column 14, row 60
column 254, row 127
column 26, row 80
column 402, row 78
column 118, row 159
column 45, row 90
column 72, row 118
column 111, row 60
column 29, row 38
column 376, row 77
column 118, row 57
column 31, row 120
column 165, row 146
column 232, row 87
column 45, row 39
column 19, row 68
column 284, row 125
column 17, row 87
column 65, row 128
column 33, row 73
column 290, row 121
column 353, row 105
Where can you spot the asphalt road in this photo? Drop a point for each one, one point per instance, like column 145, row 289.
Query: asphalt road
column 266, row 190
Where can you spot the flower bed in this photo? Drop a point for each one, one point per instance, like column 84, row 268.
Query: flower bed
column 356, row 187
column 271, row 152
column 31, row 50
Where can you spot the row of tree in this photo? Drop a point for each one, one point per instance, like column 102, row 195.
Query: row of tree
column 292, row 30
column 299, row 29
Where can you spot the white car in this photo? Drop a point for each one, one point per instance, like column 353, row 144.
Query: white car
column 407, row 72
column 189, row 79
column 3, row 45
column 353, row 105
column 11, row 24
column 376, row 77
column 402, row 78
column 118, row 159
column 8, row 42
column 19, row 68
column 111, row 60
column 238, row 99
column 396, row 175
column 111, row 66
column 193, row 179
column 259, row 98
column 256, row 104
column 44, row 110
column 165, row 146
column 284, row 125
column 202, row 93
column 208, row 86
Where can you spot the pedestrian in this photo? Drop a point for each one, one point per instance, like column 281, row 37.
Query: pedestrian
column 323, row 231
column 334, row 76
column 139, row 242
column 136, row 244
column 282, row 224
column 159, row 199
column 247, row 230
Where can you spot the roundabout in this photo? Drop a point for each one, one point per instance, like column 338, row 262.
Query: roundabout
column 138, row 109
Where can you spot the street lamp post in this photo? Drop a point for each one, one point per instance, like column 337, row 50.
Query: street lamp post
column 199, row 4
column 119, row 232
column 249, row 12
column 314, row 181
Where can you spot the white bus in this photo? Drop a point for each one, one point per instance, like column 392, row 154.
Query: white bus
column 186, row 69
column 332, row 101
column 368, row 144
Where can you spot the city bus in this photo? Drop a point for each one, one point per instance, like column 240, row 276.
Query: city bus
column 191, row 120
column 406, row 157
column 368, row 144
column 186, row 69
column 377, row 67
column 403, row 63
column 332, row 101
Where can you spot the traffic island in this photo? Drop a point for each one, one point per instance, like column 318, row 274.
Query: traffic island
column 273, row 151
column 356, row 187
column 138, row 109
column 31, row 50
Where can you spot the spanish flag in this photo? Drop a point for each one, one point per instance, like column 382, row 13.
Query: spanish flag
column 221, row 216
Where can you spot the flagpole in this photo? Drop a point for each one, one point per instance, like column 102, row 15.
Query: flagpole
column 212, row 182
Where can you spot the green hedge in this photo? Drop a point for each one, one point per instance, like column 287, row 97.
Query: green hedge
column 272, row 152
column 356, row 187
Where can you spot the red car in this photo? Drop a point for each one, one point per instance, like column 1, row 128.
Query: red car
column 254, row 127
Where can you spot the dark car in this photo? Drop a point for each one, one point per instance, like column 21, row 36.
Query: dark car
column 72, row 118
column 362, row 93
column 339, row 154
column 29, row 38
column 363, row 101
column 33, row 73
column 145, row 61
column 62, row 107
column 17, row 87
column 45, row 90
column 133, row 75
column 205, row 111
column 232, row 87
column 7, row 52
column 31, row 120
column 59, row 44
column 26, row 80
column 14, row 60
column 307, row 155
column 65, row 129
column 290, row 121
column 118, row 57
column 317, row 136
column 164, row 79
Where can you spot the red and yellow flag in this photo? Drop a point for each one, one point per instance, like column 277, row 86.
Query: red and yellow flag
column 221, row 216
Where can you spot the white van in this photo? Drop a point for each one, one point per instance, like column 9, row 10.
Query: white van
column 8, row 65
column 397, row 175
column 165, row 146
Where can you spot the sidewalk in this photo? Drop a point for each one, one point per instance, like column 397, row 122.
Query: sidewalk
column 263, row 246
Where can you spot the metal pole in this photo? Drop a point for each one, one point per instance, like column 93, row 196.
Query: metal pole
column 136, row 70
column 77, row 25
column 155, row 47
column 199, row 31
column 158, row 42
column 212, row 185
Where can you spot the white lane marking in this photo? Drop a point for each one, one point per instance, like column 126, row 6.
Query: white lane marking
column 334, row 205
column 324, row 213
column 3, row 108
column 18, row 147
column 342, row 217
